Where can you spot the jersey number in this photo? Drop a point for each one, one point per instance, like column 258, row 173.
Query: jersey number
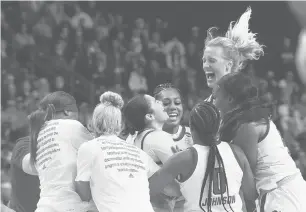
column 219, row 182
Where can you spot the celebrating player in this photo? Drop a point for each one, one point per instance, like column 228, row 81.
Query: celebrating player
column 112, row 171
column 146, row 115
column 224, row 55
column 212, row 172
column 172, row 101
column 246, row 122
column 171, row 98
column 55, row 137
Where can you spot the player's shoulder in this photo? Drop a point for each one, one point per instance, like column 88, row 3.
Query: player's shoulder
column 159, row 134
column 71, row 123
column 90, row 145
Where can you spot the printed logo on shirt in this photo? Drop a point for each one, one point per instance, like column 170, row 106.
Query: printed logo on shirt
column 122, row 156
column 46, row 145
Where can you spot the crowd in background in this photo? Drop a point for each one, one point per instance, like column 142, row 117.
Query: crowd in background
column 128, row 58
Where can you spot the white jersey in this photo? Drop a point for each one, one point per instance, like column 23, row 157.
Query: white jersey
column 182, row 138
column 273, row 161
column 118, row 173
column 191, row 188
column 57, row 145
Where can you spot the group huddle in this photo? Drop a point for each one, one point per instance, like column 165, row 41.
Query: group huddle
column 138, row 157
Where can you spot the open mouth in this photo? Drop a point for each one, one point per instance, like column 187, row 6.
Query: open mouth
column 210, row 75
column 173, row 116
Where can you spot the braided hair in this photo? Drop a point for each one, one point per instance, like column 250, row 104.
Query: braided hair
column 162, row 87
column 205, row 121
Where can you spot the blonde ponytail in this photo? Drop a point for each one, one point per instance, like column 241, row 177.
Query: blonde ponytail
column 244, row 40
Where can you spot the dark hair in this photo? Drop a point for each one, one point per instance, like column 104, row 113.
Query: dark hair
column 162, row 87
column 134, row 114
column 48, row 107
column 249, row 104
column 205, row 120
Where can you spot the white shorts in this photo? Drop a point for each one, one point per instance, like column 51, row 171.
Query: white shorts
column 288, row 197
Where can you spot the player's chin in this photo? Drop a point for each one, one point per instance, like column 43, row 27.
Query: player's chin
column 211, row 84
column 172, row 122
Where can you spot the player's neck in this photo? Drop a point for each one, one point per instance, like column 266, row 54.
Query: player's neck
column 171, row 129
column 156, row 126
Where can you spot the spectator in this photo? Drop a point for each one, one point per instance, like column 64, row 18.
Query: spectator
column 137, row 81
column 175, row 55
column 81, row 18
column 60, row 84
column 23, row 38
column 26, row 89
column 156, row 46
column 288, row 88
column 42, row 29
column 57, row 12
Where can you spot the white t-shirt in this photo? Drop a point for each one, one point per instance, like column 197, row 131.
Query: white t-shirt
column 118, row 173
column 58, row 142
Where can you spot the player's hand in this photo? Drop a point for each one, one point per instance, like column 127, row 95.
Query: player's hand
column 175, row 149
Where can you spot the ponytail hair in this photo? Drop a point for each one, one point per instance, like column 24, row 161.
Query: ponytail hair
column 37, row 121
column 239, row 43
column 205, row 122
column 244, row 40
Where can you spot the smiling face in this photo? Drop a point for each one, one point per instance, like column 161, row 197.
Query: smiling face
column 215, row 64
column 172, row 103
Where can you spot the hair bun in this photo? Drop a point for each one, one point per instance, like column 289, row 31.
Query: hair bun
column 112, row 98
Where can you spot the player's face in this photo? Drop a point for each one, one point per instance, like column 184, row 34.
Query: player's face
column 215, row 65
column 158, row 111
column 172, row 103
column 222, row 101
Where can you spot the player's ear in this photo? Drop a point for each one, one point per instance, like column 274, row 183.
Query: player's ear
column 149, row 117
column 66, row 113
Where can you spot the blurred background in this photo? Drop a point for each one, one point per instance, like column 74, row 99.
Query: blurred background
column 86, row 48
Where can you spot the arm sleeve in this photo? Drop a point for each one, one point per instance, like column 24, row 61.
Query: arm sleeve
column 85, row 159
column 79, row 135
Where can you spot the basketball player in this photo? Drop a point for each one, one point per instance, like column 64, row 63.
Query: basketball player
column 146, row 115
column 212, row 172
column 246, row 122
column 55, row 137
column 224, row 55
column 113, row 171
column 172, row 101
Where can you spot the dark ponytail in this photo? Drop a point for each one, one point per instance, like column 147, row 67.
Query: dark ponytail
column 213, row 155
column 37, row 121
column 205, row 121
